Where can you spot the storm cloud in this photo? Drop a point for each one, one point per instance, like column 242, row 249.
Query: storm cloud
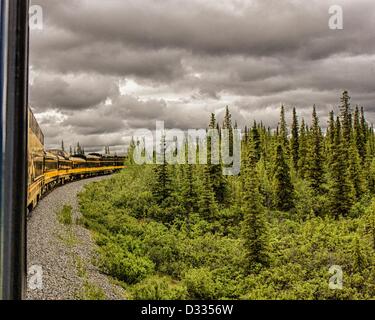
column 101, row 69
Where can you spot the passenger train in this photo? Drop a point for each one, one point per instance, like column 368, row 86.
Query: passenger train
column 27, row 170
column 48, row 169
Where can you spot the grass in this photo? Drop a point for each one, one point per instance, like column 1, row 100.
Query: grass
column 92, row 292
column 89, row 290
column 81, row 269
column 65, row 215
column 69, row 239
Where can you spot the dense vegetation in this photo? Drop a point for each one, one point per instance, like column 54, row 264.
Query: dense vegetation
column 304, row 201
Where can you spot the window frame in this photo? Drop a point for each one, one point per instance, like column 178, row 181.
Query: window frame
column 14, row 130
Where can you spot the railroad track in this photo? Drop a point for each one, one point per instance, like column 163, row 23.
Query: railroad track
column 63, row 253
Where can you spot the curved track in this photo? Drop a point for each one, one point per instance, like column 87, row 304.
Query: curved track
column 64, row 253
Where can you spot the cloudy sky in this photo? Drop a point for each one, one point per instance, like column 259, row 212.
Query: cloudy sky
column 100, row 69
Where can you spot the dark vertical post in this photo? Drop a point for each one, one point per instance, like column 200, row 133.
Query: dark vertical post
column 2, row 133
column 15, row 112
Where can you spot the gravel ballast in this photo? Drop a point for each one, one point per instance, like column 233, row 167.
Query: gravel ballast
column 64, row 253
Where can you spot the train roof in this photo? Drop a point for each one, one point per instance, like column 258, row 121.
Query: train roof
column 93, row 157
column 95, row 154
column 81, row 156
column 50, row 155
column 77, row 159
column 110, row 156
column 59, row 153
column 63, row 158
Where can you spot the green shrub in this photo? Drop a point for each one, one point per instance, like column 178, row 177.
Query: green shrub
column 304, row 199
column 201, row 285
column 124, row 265
column 163, row 252
column 92, row 292
column 65, row 215
column 158, row 288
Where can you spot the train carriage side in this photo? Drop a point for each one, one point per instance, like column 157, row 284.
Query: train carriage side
column 47, row 169
column 35, row 161
column 64, row 165
column 78, row 166
column 51, row 170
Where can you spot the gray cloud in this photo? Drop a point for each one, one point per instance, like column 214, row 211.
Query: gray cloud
column 190, row 58
column 267, row 27
column 70, row 92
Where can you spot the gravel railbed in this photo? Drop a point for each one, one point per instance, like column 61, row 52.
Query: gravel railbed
column 65, row 253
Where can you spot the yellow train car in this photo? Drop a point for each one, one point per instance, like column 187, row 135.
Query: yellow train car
column 35, row 161
column 49, row 169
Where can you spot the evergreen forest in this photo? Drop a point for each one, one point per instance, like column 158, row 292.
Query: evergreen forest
column 303, row 202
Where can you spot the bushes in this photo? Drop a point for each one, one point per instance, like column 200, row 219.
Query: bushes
column 140, row 203
column 304, row 200
column 158, row 288
column 124, row 265
column 162, row 246
column 162, row 253
column 201, row 285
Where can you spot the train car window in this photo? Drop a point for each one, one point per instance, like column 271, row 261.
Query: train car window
column 50, row 164
column 64, row 165
column 13, row 119
column 38, row 165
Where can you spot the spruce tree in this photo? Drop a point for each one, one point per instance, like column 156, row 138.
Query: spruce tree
column 130, row 153
column 346, row 118
column 219, row 184
column 369, row 164
column 212, row 121
column 330, row 137
column 246, row 135
column 283, row 187
column 207, row 203
column 364, row 126
column 315, row 168
column 254, row 226
column 217, row 180
column 189, row 191
column 294, row 141
column 340, row 188
column 359, row 257
column 359, row 135
column 265, row 187
column 227, row 124
column 255, row 140
column 331, row 128
column 162, row 185
column 355, row 173
column 283, row 131
column 303, row 150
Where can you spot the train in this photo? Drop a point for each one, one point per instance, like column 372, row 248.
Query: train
column 48, row 169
